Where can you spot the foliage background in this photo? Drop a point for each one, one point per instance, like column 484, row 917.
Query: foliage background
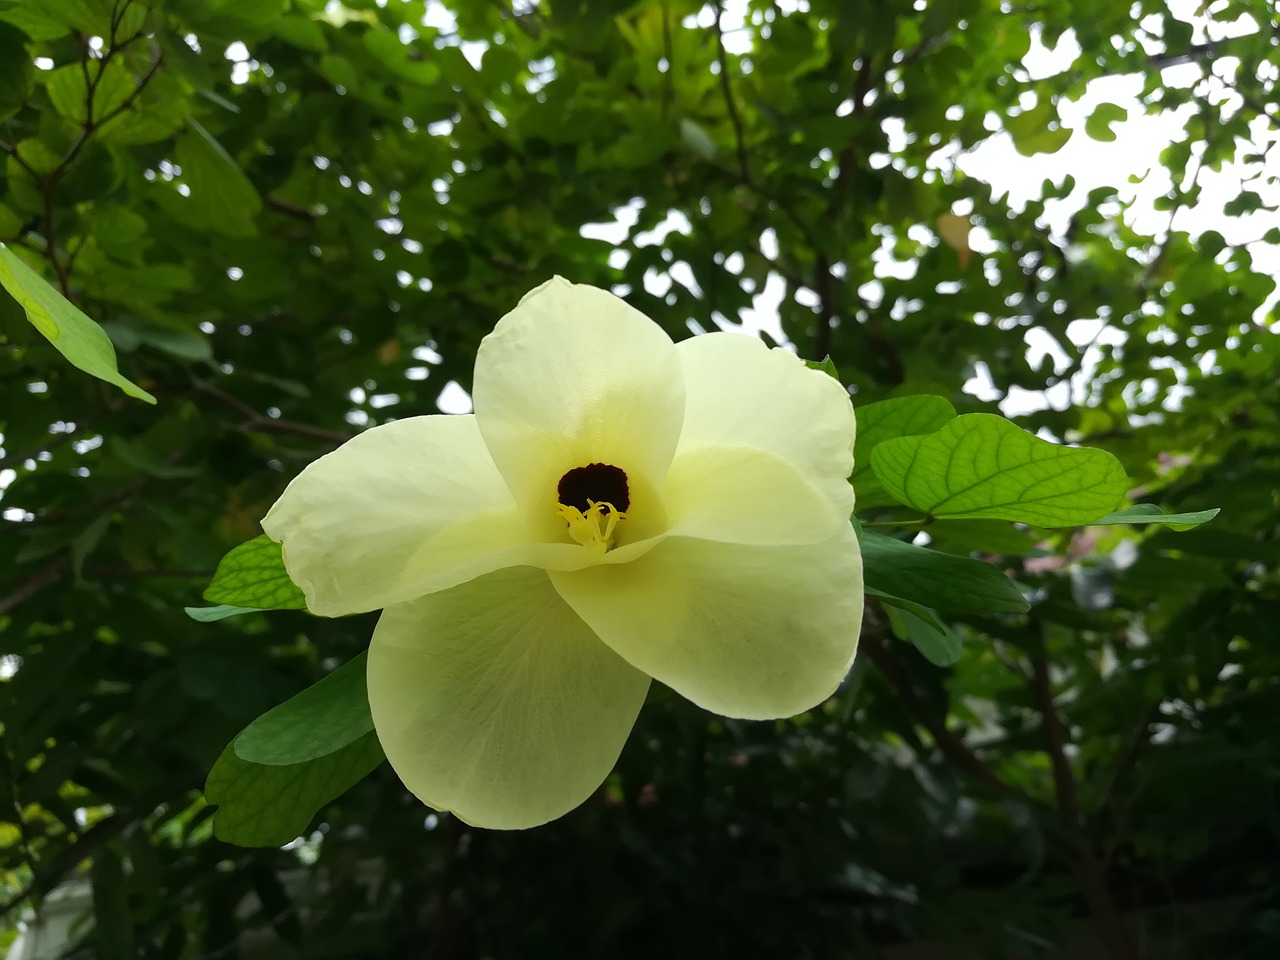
column 297, row 219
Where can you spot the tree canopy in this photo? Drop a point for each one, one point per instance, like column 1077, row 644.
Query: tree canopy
column 289, row 220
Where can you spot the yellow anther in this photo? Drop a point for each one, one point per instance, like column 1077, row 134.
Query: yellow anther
column 595, row 527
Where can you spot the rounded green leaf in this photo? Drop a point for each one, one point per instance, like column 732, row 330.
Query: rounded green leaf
column 1098, row 126
column 981, row 465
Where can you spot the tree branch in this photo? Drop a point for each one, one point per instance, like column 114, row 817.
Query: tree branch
column 953, row 748
column 1089, row 871
column 253, row 420
column 29, row 587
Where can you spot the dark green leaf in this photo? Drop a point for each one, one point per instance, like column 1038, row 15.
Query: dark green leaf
column 939, row 645
column 263, row 806
column 112, row 917
column 937, row 580
column 324, row 718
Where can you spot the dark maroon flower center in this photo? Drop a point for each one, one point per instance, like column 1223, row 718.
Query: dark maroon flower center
column 598, row 482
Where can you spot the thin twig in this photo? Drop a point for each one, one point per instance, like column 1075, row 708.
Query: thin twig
column 722, row 58
column 953, row 748
column 55, row 441
column 259, row 421
column 29, row 587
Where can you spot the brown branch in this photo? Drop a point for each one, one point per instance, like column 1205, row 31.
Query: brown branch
column 56, row 440
column 253, row 420
column 826, row 309
column 29, row 587
column 1090, row 875
column 722, row 58
column 959, row 753
column 291, row 210
column 668, row 81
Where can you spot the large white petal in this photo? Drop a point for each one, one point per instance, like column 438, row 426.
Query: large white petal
column 495, row 701
column 746, row 495
column 743, row 631
column 743, row 396
column 398, row 511
column 574, row 376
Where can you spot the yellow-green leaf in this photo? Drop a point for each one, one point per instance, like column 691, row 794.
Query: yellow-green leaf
column 878, row 422
column 72, row 334
column 253, row 575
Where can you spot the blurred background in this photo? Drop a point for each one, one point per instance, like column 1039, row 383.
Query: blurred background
column 297, row 219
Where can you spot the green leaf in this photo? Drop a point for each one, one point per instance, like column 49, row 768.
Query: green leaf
column 939, row 645
column 1098, row 126
column 68, row 89
column 920, row 610
column 10, row 223
column 16, row 69
column 340, row 72
column 981, row 465
column 394, row 54
column 253, row 575
column 324, row 718
column 254, row 12
column 981, row 536
column 222, row 197
column 887, row 420
column 264, row 806
column 697, row 139
column 826, row 365
column 221, row 612
column 135, row 454
column 301, row 32
column 35, row 22
column 112, row 917
column 1037, row 130
column 72, row 333
column 936, row 580
column 1149, row 513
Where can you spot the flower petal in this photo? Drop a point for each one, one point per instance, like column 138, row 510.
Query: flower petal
column 574, row 376
column 398, row 511
column 740, row 396
column 743, row 631
column 495, row 701
column 746, row 495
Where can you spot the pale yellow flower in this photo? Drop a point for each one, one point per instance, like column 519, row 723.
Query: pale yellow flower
column 619, row 507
